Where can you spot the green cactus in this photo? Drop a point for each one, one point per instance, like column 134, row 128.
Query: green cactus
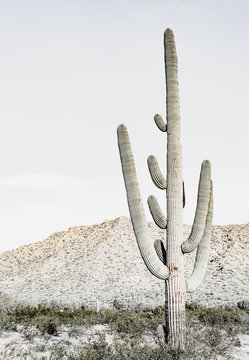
column 166, row 261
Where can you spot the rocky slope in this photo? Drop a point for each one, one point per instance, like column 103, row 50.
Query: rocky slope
column 99, row 265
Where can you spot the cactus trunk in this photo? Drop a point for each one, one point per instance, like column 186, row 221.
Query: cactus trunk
column 175, row 284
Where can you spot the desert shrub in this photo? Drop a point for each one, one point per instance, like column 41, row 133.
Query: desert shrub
column 243, row 305
column 132, row 322
column 217, row 316
column 47, row 326
column 34, row 315
column 214, row 337
column 99, row 349
column 117, row 305
column 129, row 323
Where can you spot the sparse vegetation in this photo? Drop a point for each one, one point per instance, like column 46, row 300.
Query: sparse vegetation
column 67, row 334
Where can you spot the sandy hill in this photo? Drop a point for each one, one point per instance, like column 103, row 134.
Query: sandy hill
column 86, row 263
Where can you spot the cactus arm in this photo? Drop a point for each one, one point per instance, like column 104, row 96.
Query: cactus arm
column 156, row 212
column 201, row 259
column 201, row 209
column 155, row 173
column 160, row 250
column 145, row 244
column 160, row 123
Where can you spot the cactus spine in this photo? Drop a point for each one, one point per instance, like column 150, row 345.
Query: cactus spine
column 166, row 262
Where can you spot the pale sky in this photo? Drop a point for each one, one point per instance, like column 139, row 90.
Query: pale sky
column 72, row 71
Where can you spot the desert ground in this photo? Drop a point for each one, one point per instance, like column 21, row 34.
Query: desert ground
column 99, row 266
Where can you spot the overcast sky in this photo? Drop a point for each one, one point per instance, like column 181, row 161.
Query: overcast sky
column 72, row 71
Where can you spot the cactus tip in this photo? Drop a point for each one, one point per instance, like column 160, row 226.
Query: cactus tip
column 122, row 129
column 206, row 164
column 168, row 31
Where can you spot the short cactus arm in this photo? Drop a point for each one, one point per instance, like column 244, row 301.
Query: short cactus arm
column 160, row 250
column 160, row 123
column 156, row 212
column 155, row 173
column 145, row 244
column 201, row 259
column 201, row 209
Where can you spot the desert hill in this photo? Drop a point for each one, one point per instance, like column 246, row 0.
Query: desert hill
column 101, row 263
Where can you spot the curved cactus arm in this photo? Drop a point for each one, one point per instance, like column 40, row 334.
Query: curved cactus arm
column 156, row 212
column 160, row 250
column 155, row 173
column 145, row 244
column 201, row 259
column 201, row 209
column 160, row 123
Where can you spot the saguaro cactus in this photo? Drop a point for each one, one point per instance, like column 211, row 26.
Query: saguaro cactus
column 166, row 262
